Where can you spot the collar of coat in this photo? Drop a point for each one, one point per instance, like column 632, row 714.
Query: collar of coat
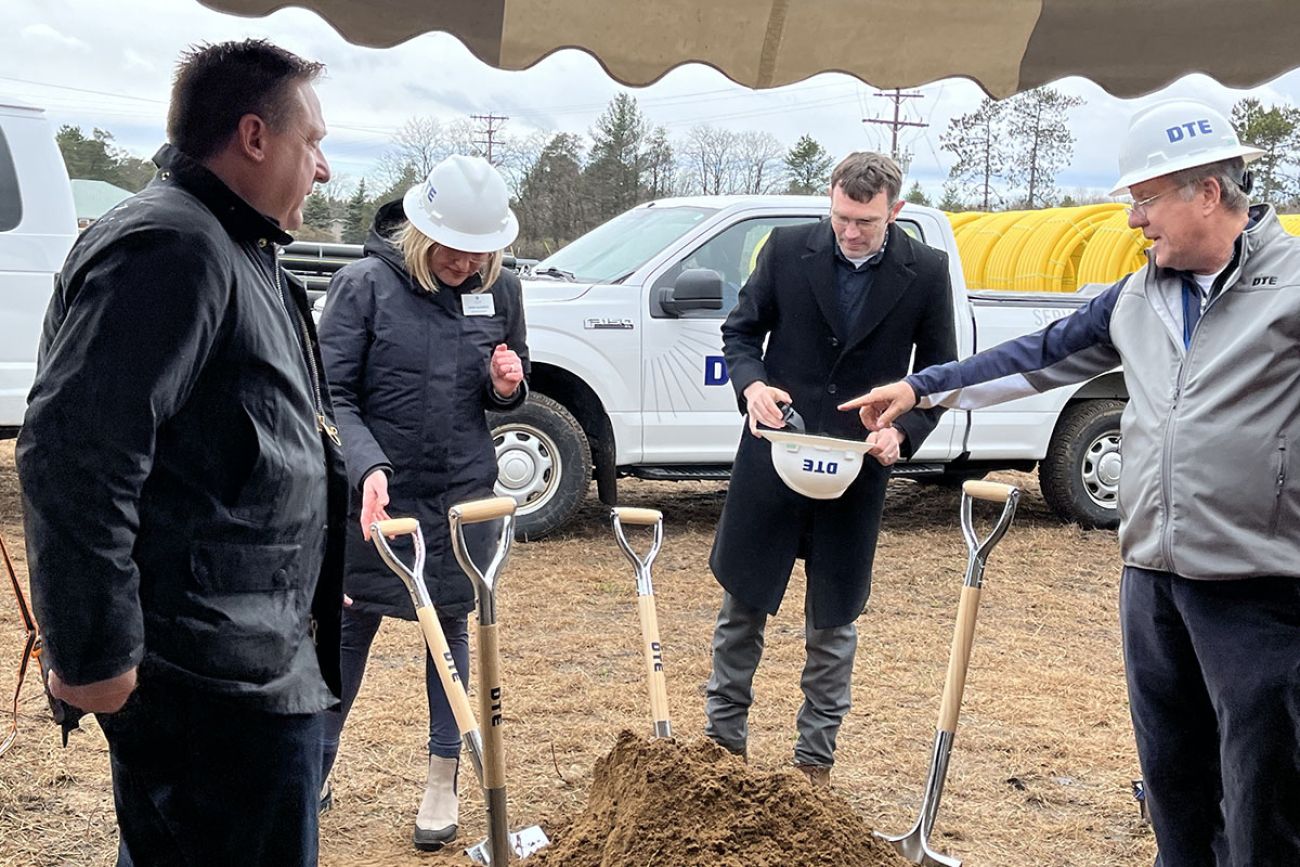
column 242, row 220
column 893, row 277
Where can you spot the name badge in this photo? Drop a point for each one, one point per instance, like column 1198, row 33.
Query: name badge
column 478, row 305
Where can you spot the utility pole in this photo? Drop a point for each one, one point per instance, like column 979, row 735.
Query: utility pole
column 494, row 123
column 897, row 96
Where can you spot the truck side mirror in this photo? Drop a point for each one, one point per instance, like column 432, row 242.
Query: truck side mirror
column 694, row 289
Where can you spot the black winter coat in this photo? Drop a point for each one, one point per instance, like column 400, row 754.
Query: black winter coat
column 184, row 511
column 408, row 372
column 791, row 302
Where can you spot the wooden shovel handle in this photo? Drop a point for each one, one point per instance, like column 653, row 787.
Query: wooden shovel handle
column 490, row 707
column 654, row 660
column 398, row 527
column 963, row 636
column 994, row 492
column 629, row 515
column 452, row 683
column 477, row 511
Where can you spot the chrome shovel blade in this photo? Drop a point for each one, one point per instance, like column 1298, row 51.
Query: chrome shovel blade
column 523, row 843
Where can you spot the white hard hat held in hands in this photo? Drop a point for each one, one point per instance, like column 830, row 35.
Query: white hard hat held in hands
column 818, row 467
column 1174, row 135
column 463, row 204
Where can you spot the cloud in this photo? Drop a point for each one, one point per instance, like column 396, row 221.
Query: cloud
column 134, row 60
column 48, row 34
column 72, row 58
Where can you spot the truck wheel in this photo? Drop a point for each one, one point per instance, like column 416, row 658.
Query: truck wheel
column 543, row 461
column 1079, row 477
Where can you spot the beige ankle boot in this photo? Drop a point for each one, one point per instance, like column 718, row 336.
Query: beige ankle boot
column 435, row 824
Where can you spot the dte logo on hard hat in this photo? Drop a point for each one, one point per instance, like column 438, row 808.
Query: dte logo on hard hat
column 1191, row 129
column 429, row 191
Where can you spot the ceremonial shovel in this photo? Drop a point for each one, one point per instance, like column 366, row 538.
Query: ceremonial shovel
column 645, row 591
column 529, row 839
column 499, row 840
column 915, row 845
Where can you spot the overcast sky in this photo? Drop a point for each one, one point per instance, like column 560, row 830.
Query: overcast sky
column 108, row 64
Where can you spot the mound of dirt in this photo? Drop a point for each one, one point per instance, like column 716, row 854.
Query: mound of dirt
column 656, row 802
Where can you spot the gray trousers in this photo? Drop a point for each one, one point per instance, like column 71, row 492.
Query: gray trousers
column 826, row 681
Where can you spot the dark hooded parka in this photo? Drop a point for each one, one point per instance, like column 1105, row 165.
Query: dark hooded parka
column 791, row 302
column 408, row 372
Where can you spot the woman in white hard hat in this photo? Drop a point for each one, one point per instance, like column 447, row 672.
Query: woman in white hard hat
column 420, row 338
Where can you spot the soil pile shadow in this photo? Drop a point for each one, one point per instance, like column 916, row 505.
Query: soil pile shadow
column 662, row 804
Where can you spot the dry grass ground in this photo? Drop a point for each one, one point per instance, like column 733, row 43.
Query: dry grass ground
column 1043, row 758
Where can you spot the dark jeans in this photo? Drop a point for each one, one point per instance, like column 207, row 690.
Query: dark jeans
column 1214, row 689
column 358, row 634
column 199, row 781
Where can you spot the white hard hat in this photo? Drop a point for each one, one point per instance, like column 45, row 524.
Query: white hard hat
column 463, row 204
column 1175, row 135
column 818, row 467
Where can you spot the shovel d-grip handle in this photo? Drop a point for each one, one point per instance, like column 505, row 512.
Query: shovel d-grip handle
column 994, row 492
column 651, row 644
column 453, row 685
column 484, row 579
column 478, row 511
column 638, row 517
column 394, row 527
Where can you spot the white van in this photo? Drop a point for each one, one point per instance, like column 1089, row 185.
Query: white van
column 38, row 224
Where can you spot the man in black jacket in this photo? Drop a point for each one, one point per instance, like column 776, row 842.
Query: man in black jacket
column 830, row 305
column 182, row 482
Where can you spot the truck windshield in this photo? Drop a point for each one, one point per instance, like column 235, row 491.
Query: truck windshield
column 615, row 249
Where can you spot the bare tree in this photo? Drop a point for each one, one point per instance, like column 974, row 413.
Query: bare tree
column 710, row 155
column 416, row 147
column 759, row 156
column 660, row 165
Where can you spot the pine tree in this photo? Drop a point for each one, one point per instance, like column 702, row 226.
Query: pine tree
column 916, row 195
column 1036, row 123
column 977, row 140
column 356, row 220
column 1276, row 131
column 807, row 168
column 614, row 172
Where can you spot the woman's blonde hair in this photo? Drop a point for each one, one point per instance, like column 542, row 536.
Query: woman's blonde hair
column 417, row 248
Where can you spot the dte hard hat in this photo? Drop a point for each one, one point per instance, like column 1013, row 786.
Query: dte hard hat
column 1175, row 135
column 818, row 467
column 463, row 204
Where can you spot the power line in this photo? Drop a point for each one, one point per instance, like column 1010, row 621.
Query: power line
column 492, row 129
column 897, row 96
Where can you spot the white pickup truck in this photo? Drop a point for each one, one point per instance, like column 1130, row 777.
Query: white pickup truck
column 629, row 379
column 38, row 224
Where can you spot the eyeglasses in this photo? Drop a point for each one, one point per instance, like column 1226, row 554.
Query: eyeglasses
column 1139, row 208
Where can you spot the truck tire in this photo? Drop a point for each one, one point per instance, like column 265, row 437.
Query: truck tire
column 1079, row 477
column 543, row 461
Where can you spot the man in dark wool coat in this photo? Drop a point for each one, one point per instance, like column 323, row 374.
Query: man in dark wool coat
column 832, row 309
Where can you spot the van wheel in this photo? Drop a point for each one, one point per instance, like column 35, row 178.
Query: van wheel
column 543, row 461
column 1079, row 477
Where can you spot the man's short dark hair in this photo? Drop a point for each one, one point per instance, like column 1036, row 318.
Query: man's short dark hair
column 863, row 175
column 216, row 85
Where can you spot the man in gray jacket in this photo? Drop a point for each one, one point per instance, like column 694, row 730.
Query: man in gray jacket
column 1209, row 336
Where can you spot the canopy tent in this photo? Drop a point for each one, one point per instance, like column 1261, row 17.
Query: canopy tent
column 1128, row 47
